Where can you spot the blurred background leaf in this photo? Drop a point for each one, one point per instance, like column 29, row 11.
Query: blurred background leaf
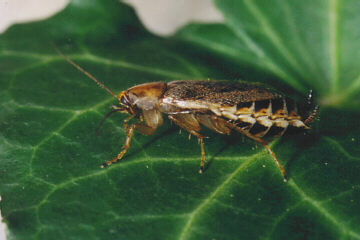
column 306, row 44
column 50, row 181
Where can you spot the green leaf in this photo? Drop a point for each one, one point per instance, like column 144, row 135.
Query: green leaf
column 50, row 181
column 306, row 44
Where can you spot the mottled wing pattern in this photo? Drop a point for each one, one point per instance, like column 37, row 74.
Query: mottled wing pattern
column 220, row 92
column 252, row 107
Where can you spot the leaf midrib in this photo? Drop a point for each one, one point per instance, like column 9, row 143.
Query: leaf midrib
column 96, row 59
column 192, row 217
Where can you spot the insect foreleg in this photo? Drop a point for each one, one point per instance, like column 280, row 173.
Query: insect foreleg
column 141, row 128
column 129, row 134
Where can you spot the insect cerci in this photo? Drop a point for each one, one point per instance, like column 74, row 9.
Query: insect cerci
column 222, row 106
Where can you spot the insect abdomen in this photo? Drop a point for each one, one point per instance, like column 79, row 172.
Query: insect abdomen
column 272, row 117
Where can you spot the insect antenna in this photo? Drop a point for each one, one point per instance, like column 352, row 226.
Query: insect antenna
column 85, row 72
column 104, row 118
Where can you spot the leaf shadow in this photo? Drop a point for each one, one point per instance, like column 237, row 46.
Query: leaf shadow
column 152, row 141
column 302, row 143
column 229, row 141
column 212, row 158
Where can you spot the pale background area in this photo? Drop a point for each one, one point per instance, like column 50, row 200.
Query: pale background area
column 162, row 17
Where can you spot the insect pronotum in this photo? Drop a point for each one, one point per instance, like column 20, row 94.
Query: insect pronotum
column 248, row 108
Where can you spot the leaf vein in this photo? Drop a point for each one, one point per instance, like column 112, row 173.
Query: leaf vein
column 192, row 217
column 273, row 36
column 340, row 148
column 325, row 212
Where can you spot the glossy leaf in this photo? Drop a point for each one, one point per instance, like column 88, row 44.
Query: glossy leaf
column 50, row 181
column 306, row 44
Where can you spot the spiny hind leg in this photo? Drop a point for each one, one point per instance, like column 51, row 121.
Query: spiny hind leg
column 143, row 129
column 190, row 123
column 264, row 143
column 275, row 159
column 202, row 163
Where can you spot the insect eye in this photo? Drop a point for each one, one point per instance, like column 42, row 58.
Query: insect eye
column 123, row 101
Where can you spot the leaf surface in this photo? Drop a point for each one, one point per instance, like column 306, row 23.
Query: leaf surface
column 50, row 181
column 306, row 44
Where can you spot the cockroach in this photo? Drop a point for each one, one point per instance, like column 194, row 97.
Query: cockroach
column 251, row 109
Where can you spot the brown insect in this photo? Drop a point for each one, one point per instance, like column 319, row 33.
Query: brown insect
column 248, row 108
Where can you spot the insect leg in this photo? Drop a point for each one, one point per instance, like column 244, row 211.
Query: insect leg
column 129, row 134
column 143, row 129
column 187, row 122
column 264, row 143
column 214, row 123
column 191, row 124
column 202, row 163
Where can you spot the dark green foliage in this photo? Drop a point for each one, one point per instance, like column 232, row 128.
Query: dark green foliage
column 50, row 181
